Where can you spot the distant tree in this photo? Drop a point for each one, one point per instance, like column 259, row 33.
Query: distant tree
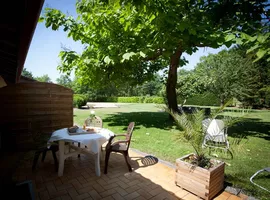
column 151, row 88
column 78, row 87
column 228, row 74
column 44, row 78
column 129, row 41
column 190, row 83
column 27, row 73
column 65, row 81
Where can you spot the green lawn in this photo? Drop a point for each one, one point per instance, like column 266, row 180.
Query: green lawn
column 154, row 134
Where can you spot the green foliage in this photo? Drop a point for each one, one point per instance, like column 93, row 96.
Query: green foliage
column 204, row 99
column 265, row 94
column 141, row 99
column 189, row 84
column 157, row 100
column 136, row 39
column 259, row 43
column 128, row 99
column 134, row 99
column 27, row 73
column 108, row 99
column 228, row 75
column 110, row 90
column 150, row 88
column 191, row 129
column 65, row 81
column 44, row 78
column 79, row 100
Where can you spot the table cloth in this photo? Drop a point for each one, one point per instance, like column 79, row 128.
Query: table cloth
column 92, row 141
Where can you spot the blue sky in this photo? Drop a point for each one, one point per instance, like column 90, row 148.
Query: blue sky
column 46, row 44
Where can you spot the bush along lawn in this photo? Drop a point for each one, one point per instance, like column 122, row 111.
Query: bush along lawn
column 155, row 134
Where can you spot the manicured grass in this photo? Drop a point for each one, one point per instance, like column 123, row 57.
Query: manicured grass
column 155, row 134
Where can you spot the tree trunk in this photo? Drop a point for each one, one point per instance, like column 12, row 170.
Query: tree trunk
column 222, row 101
column 172, row 80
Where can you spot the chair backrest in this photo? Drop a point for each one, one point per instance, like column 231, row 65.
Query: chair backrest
column 129, row 132
column 205, row 124
column 216, row 127
column 95, row 122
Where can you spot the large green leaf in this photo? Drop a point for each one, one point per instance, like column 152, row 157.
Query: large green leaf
column 260, row 54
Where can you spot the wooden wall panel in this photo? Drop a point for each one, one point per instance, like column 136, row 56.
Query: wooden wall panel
column 33, row 108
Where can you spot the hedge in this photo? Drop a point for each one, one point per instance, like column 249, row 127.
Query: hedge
column 128, row 99
column 134, row 99
column 205, row 99
column 153, row 99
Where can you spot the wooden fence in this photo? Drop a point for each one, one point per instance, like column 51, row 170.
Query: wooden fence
column 31, row 110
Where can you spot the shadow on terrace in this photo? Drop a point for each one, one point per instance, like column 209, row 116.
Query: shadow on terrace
column 148, row 180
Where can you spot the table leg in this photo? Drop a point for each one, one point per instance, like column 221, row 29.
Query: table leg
column 97, row 162
column 61, row 157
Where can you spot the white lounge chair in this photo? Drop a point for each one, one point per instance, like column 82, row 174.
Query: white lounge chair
column 215, row 134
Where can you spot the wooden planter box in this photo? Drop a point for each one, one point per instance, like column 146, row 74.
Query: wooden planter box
column 205, row 183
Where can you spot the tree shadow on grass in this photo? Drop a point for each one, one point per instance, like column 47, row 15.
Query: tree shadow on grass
column 147, row 119
column 250, row 127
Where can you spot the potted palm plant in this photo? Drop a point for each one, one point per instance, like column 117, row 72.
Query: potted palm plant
column 197, row 172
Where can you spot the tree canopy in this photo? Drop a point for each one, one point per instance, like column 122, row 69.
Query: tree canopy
column 44, row 78
column 130, row 40
column 228, row 74
column 27, row 73
column 65, row 81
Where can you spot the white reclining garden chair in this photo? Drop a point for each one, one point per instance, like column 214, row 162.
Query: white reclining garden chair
column 215, row 134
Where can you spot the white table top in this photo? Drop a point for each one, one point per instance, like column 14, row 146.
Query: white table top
column 93, row 141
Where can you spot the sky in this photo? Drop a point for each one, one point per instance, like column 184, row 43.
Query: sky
column 46, row 44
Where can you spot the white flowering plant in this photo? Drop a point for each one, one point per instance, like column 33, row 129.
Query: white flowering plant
column 92, row 114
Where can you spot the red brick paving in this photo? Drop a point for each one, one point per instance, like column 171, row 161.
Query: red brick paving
column 80, row 182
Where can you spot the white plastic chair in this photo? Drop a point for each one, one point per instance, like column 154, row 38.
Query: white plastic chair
column 215, row 134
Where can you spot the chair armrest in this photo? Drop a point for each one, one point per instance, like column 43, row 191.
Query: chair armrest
column 119, row 141
column 120, row 135
column 111, row 138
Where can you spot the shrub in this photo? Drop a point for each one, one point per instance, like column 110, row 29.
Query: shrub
column 141, row 99
column 79, row 100
column 128, row 99
column 111, row 99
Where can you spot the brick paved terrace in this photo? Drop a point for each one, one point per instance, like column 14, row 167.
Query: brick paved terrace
column 79, row 181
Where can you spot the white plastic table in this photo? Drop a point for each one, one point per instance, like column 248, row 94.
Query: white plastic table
column 92, row 141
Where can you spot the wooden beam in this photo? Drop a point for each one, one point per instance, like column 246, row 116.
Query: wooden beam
column 32, row 9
